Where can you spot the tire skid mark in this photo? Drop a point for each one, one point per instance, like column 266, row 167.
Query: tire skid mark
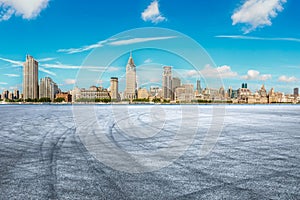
column 92, row 164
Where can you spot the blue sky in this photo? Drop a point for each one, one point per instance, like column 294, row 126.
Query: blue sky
column 253, row 41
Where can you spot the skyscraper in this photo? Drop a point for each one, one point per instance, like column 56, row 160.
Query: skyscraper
column 48, row 88
column 131, row 85
column 176, row 82
column 16, row 94
column 167, row 82
column 296, row 92
column 30, row 79
column 199, row 87
column 114, row 88
column 5, row 94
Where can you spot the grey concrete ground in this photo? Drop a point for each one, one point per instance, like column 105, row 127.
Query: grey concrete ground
column 257, row 156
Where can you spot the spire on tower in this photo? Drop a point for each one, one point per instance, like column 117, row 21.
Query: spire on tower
column 130, row 60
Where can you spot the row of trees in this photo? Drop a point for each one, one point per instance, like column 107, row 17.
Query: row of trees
column 41, row 100
column 86, row 100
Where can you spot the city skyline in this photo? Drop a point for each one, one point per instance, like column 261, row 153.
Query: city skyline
column 258, row 49
column 171, row 89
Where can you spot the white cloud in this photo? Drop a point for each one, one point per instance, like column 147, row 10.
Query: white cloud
column 192, row 73
column 152, row 13
column 20, row 64
column 265, row 77
column 257, row 13
column 255, row 75
column 226, row 72
column 27, row 9
column 3, row 83
column 70, row 81
column 61, row 66
column 45, row 59
column 99, row 82
column 148, row 61
column 12, row 75
column 113, row 42
column 210, row 72
column 139, row 40
column 90, row 68
column 286, row 79
column 84, row 48
column 46, row 71
column 14, row 62
column 242, row 37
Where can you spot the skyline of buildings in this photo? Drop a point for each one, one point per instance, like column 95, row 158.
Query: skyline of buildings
column 172, row 90
column 267, row 56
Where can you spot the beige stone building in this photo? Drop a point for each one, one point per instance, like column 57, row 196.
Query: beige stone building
column 143, row 93
column 30, row 78
column 92, row 93
column 114, row 88
column 184, row 93
column 131, row 84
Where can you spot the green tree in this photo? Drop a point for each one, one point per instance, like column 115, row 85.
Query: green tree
column 59, row 100
column 156, row 100
column 44, row 99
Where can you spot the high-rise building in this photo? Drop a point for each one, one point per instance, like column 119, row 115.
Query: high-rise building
column 222, row 92
column 114, row 88
column 5, row 94
column 48, row 88
column 16, row 94
column 198, row 88
column 30, row 78
column 176, row 82
column 296, row 92
column 131, row 85
column 230, row 92
column 167, row 83
column 11, row 96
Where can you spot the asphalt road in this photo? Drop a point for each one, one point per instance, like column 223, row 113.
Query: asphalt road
column 257, row 156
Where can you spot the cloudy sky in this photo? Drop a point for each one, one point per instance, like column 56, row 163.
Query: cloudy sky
column 253, row 41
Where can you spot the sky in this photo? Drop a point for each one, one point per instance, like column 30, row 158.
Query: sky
column 252, row 41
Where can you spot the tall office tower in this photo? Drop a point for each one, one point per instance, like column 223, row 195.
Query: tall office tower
column 114, row 88
column 176, row 82
column 230, row 91
column 5, row 94
column 199, row 89
column 167, row 82
column 16, row 94
column 48, row 88
column 296, row 92
column 131, row 85
column 222, row 92
column 11, row 96
column 30, row 78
